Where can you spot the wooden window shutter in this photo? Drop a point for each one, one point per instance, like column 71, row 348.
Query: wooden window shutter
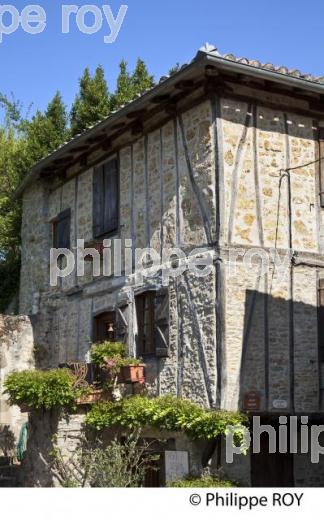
column 105, row 199
column 320, row 326
column 122, row 319
column 110, row 215
column 161, row 328
column 98, row 201
column 145, row 306
column 62, row 230
column 321, row 165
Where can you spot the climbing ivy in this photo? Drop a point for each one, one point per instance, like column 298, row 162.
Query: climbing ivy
column 163, row 413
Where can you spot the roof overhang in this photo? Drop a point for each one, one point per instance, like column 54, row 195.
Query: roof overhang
column 166, row 86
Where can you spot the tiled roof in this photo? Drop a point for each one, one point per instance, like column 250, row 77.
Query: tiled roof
column 281, row 69
column 213, row 51
column 207, row 51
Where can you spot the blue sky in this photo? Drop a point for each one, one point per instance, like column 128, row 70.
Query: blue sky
column 283, row 32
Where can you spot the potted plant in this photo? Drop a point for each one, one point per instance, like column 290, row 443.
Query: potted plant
column 93, row 397
column 131, row 371
column 110, row 356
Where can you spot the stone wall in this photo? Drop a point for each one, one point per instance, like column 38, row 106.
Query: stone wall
column 49, row 430
column 259, row 313
column 226, row 338
column 16, row 354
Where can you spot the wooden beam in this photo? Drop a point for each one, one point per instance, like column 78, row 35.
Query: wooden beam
column 137, row 128
column 184, row 85
column 136, row 114
column 78, row 149
column 118, row 126
column 161, row 99
column 211, row 71
column 106, row 144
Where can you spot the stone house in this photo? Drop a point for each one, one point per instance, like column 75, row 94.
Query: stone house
column 222, row 156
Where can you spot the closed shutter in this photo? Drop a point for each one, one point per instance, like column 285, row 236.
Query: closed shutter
column 105, row 199
column 161, row 325
column 98, row 201
column 122, row 318
column 110, row 216
column 320, row 326
column 61, row 230
column 321, row 165
column 145, row 304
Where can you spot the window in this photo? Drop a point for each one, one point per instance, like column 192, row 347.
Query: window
column 320, row 321
column 152, row 311
column 145, row 323
column 105, row 199
column 105, row 327
column 112, row 325
column 61, row 230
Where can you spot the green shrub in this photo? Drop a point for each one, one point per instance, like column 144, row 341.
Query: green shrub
column 125, row 362
column 106, row 350
column 42, row 389
column 202, row 482
column 164, row 413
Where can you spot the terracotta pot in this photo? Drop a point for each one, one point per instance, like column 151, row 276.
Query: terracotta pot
column 132, row 374
column 95, row 397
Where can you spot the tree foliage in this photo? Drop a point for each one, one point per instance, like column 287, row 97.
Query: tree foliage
column 92, row 103
column 23, row 142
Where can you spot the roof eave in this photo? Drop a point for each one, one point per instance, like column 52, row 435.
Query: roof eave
column 112, row 119
column 201, row 60
column 278, row 77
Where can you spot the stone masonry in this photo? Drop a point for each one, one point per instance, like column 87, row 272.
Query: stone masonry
column 210, row 176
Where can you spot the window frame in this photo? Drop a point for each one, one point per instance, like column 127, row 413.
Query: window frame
column 108, row 316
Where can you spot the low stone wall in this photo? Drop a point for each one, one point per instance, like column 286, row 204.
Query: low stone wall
column 48, row 430
column 16, row 354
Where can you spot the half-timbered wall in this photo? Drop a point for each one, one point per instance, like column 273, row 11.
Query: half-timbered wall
column 210, row 177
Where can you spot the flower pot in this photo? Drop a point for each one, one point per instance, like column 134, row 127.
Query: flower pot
column 95, row 397
column 132, row 374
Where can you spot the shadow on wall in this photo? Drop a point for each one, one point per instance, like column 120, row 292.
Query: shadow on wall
column 280, row 355
column 7, row 441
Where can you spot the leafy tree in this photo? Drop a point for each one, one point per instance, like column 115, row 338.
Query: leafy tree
column 124, row 89
column 12, row 153
column 141, row 79
column 22, row 143
column 45, row 131
column 129, row 85
column 57, row 115
column 25, row 140
column 92, row 102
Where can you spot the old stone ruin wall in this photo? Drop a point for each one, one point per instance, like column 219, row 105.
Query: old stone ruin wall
column 16, row 354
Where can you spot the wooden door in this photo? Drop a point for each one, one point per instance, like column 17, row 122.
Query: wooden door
column 271, row 469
